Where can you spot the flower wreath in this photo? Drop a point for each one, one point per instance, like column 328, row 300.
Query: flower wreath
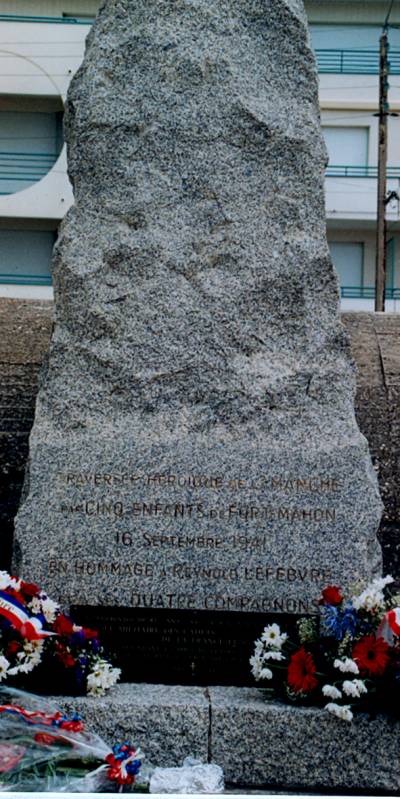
column 32, row 627
column 350, row 655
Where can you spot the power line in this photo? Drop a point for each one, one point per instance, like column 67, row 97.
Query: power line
column 360, row 117
column 386, row 23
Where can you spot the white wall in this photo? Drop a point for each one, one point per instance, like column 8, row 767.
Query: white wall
column 40, row 59
column 356, row 199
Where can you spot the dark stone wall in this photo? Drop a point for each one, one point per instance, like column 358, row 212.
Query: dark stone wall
column 25, row 328
column 375, row 341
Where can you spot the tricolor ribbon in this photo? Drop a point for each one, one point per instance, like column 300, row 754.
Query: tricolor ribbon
column 44, row 719
column 28, row 626
column 123, row 764
column 390, row 626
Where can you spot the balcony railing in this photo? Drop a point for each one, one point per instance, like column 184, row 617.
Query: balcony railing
column 346, row 171
column 355, row 62
column 53, row 20
column 26, row 280
column 367, row 293
column 16, row 168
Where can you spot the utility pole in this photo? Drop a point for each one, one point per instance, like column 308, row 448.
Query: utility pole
column 380, row 267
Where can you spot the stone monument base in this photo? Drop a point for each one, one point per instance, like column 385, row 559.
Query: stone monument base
column 258, row 743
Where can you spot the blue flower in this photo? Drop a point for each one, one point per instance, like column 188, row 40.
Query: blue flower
column 339, row 622
column 349, row 620
column 95, row 645
column 133, row 767
column 331, row 621
column 78, row 638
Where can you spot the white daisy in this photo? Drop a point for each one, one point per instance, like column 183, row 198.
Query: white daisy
column 256, row 666
column 49, row 609
column 5, row 580
column 35, row 605
column 272, row 636
column 103, row 676
column 372, row 597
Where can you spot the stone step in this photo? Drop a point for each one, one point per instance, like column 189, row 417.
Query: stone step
column 258, row 743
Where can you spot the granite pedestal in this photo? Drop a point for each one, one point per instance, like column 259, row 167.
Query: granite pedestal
column 258, row 743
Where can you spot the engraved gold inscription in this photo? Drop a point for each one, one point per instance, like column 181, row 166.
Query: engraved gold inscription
column 190, row 571
column 230, row 513
column 314, row 484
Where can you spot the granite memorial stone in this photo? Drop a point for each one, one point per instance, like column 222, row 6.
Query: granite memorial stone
column 195, row 447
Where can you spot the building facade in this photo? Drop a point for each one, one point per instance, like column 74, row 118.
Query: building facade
column 42, row 45
column 346, row 41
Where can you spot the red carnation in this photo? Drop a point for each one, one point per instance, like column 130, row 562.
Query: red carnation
column 301, row 672
column 371, row 655
column 90, row 634
column 66, row 658
column 30, row 589
column 13, row 647
column 331, row 595
column 63, row 625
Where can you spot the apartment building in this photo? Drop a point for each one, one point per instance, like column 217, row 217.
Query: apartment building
column 42, row 45
column 345, row 36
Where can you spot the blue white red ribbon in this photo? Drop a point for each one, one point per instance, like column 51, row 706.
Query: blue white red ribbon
column 123, row 764
column 390, row 626
column 45, row 719
column 28, row 626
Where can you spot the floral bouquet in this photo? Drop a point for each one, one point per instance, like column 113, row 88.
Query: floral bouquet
column 34, row 632
column 43, row 750
column 347, row 658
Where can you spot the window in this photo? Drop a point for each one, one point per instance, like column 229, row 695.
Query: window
column 25, row 256
column 30, row 142
column 348, row 257
column 347, row 146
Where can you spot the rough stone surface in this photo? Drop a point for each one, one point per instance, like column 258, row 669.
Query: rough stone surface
column 168, row 722
column 195, row 444
column 27, row 322
column 256, row 742
column 265, row 743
